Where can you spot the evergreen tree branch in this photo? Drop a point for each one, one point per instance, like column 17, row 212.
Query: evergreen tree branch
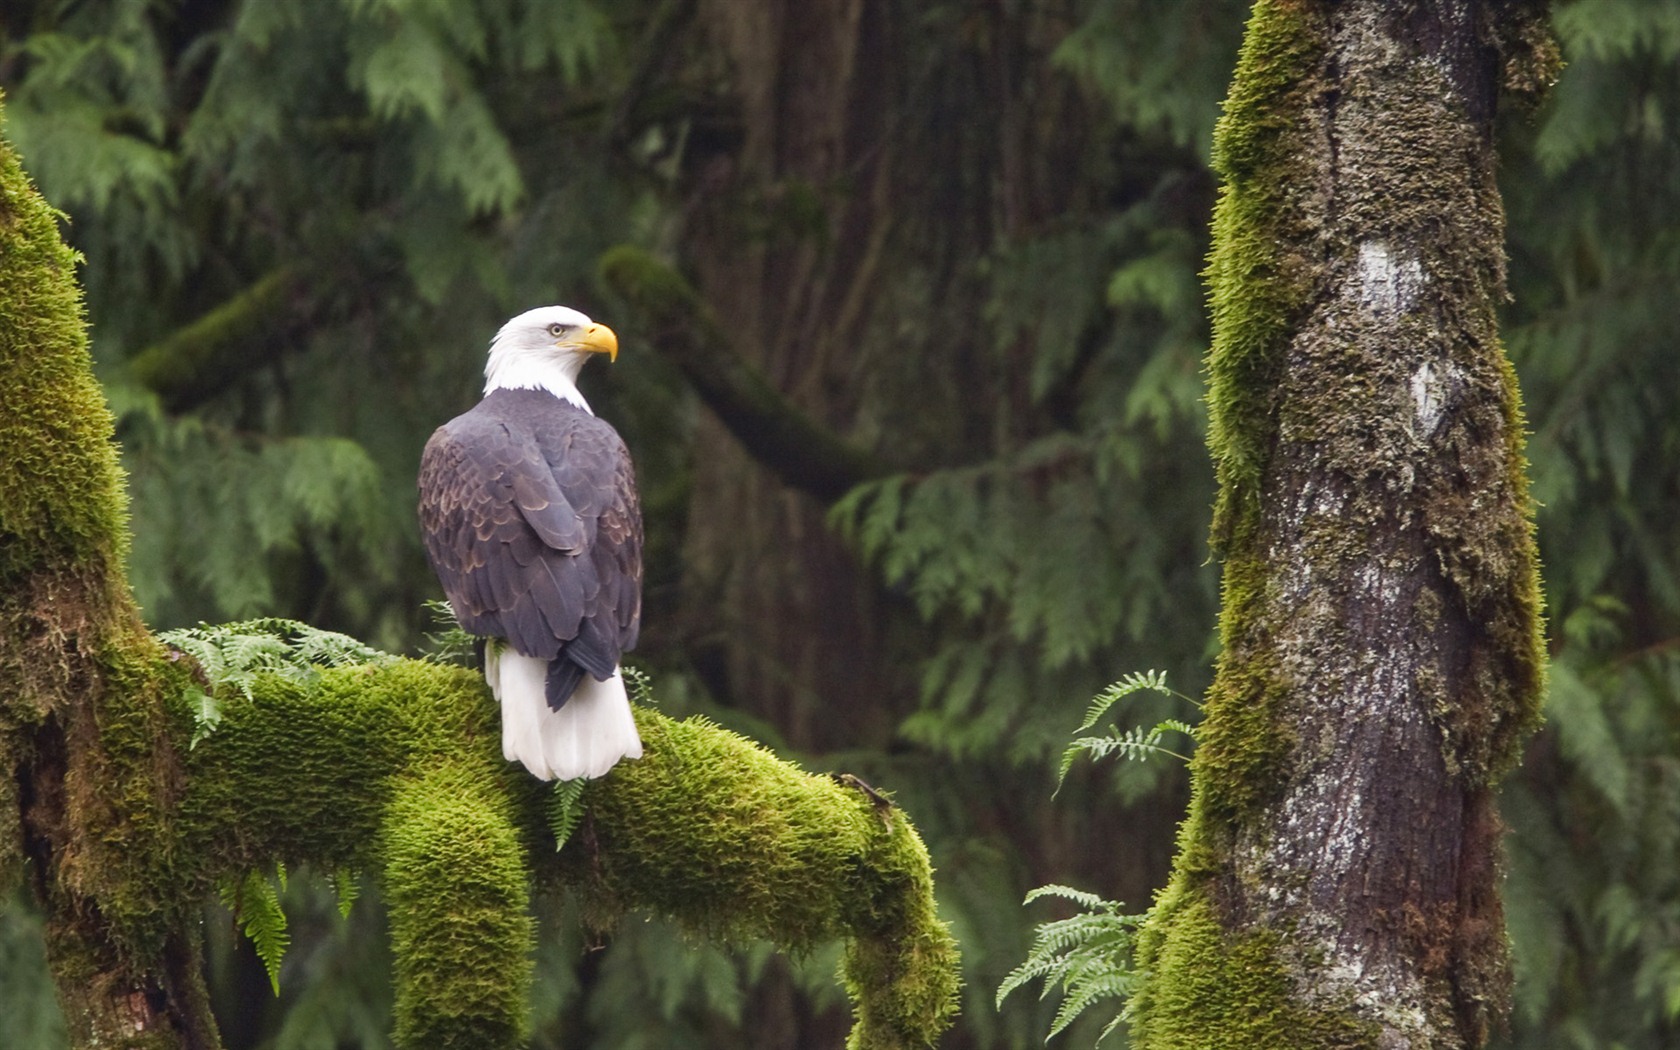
column 799, row 450
column 194, row 362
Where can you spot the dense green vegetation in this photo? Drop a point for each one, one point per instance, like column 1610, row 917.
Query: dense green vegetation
column 301, row 222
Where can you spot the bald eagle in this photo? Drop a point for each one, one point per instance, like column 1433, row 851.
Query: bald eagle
column 530, row 517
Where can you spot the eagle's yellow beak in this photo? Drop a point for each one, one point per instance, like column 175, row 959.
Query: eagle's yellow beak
column 598, row 338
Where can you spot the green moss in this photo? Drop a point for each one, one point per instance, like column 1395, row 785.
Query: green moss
column 1258, row 270
column 461, row 933
column 122, row 787
column 1215, row 990
column 62, row 506
column 807, row 456
column 203, row 355
column 651, row 283
column 1509, row 708
column 1244, row 748
column 305, row 772
column 61, row 494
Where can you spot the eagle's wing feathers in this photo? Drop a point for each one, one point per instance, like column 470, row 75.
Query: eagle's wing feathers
column 531, row 521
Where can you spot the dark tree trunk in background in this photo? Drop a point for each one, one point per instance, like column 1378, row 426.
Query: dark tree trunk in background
column 1337, row 884
column 880, row 153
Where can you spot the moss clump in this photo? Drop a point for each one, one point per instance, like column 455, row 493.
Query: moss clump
column 304, row 771
column 1215, row 990
column 650, row 283
column 1260, row 265
column 122, row 787
column 1244, row 748
column 461, row 932
column 61, row 494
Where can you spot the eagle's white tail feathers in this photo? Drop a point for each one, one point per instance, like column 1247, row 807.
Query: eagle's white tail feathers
column 585, row 738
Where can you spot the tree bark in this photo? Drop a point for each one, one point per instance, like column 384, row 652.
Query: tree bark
column 1338, row 878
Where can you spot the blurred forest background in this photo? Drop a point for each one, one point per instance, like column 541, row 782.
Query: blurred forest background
column 964, row 237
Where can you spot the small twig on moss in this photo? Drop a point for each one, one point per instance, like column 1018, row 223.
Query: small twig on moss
column 883, row 803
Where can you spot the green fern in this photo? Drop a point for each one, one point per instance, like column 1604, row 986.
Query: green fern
column 234, row 654
column 640, row 685
column 448, row 643
column 255, row 903
column 565, row 808
column 1087, row 955
column 348, row 886
column 1134, row 743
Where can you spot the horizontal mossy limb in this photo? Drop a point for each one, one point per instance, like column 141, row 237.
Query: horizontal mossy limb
column 395, row 767
column 204, row 356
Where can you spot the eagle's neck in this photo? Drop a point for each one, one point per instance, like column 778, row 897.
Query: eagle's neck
column 510, row 369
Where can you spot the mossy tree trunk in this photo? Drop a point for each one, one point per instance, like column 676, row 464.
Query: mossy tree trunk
column 121, row 815
column 1337, row 882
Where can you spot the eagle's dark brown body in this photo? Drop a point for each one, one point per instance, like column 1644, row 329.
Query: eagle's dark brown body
column 531, row 521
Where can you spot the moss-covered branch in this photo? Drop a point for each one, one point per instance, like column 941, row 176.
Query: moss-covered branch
column 204, row 356
column 392, row 767
column 804, row 454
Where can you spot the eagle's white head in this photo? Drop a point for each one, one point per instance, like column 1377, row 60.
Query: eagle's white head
column 544, row 349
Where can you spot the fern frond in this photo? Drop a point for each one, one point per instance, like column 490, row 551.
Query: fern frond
column 449, row 643
column 234, row 654
column 1088, row 956
column 1126, row 686
column 1134, row 743
column 565, row 808
column 1084, row 898
column 207, row 715
column 255, row 904
column 348, row 886
column 640, row 685
column 1084, row 990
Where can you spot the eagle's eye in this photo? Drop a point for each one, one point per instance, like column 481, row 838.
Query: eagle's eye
column 557, row 329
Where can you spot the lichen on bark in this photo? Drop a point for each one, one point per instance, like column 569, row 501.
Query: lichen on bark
column 1381, row 642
